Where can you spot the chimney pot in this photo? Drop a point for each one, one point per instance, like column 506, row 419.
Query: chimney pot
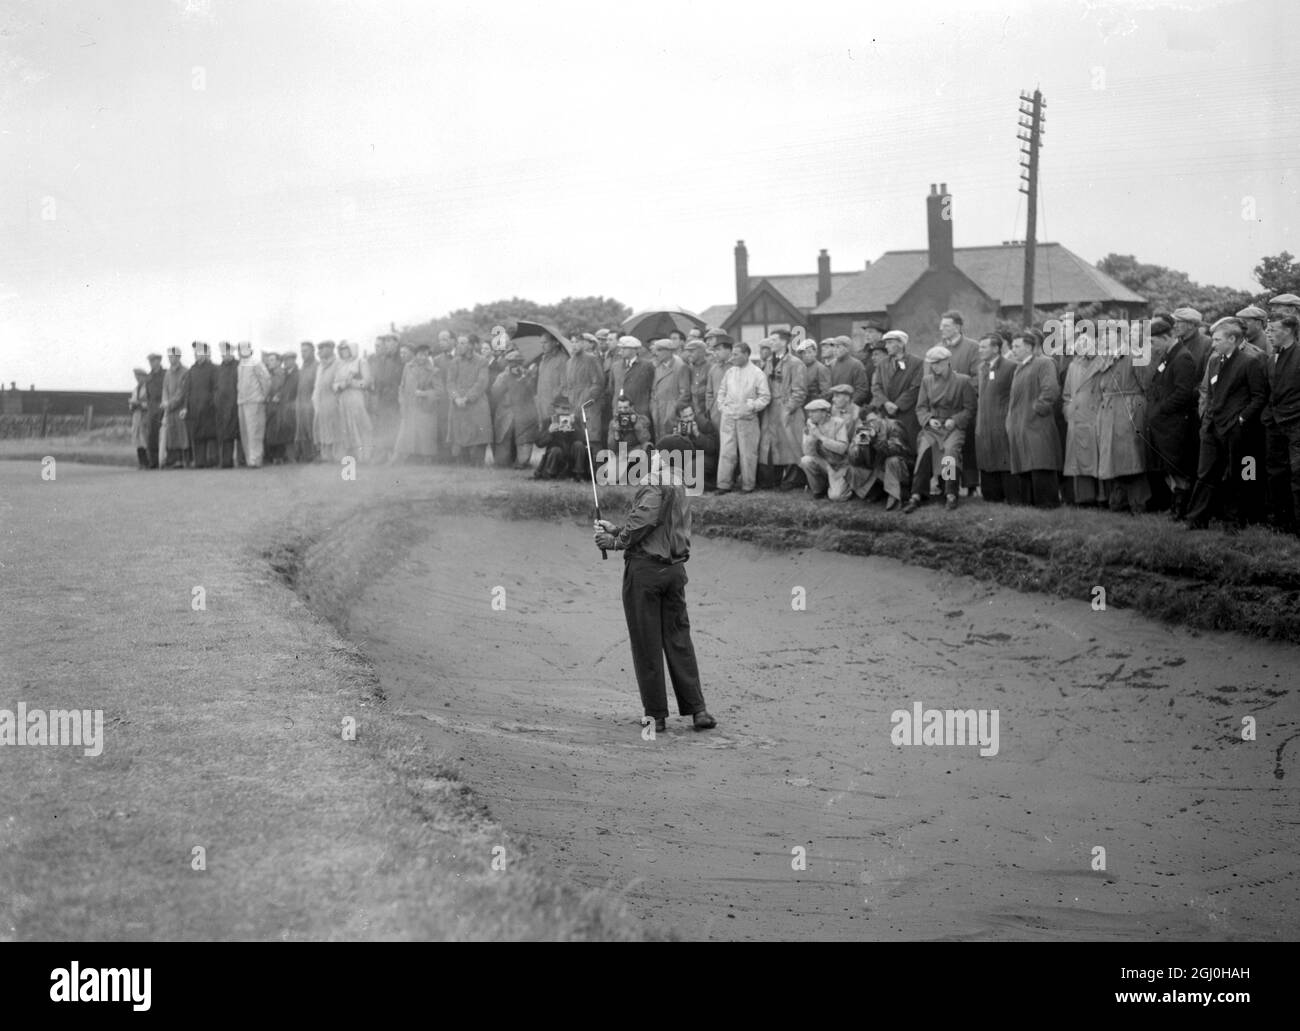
column 823, row 275
column 742, row 271
column 943, row 189
column 933, row 190
column 939, row 230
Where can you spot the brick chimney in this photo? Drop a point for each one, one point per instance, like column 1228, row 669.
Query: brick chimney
column 823, row 276
column 742, row 271
column 940, row 228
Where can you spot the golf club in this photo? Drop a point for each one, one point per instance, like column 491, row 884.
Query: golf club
column 591, row 466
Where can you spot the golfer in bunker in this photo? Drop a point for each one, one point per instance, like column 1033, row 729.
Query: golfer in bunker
column 656, row 542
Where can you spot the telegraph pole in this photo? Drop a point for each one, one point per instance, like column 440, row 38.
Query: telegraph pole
column 1031, row 108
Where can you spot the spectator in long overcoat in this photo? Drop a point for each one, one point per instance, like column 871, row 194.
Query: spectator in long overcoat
column 1172, row 443
column 1081, row 397
column 896, row 384
column 201, row 407
column 671, row 384
column 514, row 413
column 138, row 403
column 1282, row 421
column 254, row 389
column 228, row 407
column 153, row 390
column 1121, row 423
column 325, row 404
column 584, row 380
column 550, row 378
column 781, row 425
column 175, row 440
column 469, row 429
column 992, row 451
column 305, row 414
column 417, row 401
column 1033, row 440
column 282, row 411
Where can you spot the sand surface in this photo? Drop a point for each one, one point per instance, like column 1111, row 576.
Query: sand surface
column 1114, row 732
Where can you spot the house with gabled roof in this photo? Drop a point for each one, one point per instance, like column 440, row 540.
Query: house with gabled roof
column 911, row 289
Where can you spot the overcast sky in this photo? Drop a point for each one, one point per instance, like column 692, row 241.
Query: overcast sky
column 283, row 171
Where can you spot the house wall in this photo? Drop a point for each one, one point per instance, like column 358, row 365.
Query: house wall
column 918, row 311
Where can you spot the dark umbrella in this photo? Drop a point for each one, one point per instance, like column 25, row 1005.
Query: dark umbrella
column 530, row 337
column 653, row 325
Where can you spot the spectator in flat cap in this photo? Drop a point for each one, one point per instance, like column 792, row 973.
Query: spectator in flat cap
column 844, row 368
column 817, row 378
column 696, row 356
column 825, row 459
column 584, row 380
column 945, row 408
column 1285, row 304
column 633, row 375
column 719, row 361
column 1256, row 322
column 841, row 398
column 871, row 333
column 896, row 385
column 671, row 384
column 1187, row 328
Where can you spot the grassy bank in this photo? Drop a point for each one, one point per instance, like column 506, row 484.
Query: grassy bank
column 1246, row 582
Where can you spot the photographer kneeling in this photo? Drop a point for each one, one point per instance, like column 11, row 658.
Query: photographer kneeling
column 825, row 458
column 628, row 438
column 696, row 427
column 881, row 460
column 562, row 440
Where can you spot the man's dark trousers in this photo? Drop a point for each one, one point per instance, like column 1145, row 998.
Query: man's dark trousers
column 654, row 602
column 155, row 431
column 1219, row 456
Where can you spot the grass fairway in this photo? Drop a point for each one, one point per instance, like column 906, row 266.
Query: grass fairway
column 223, row 732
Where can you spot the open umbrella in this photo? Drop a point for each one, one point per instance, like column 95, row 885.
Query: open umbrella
column 652, row 325
column 530, row 337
